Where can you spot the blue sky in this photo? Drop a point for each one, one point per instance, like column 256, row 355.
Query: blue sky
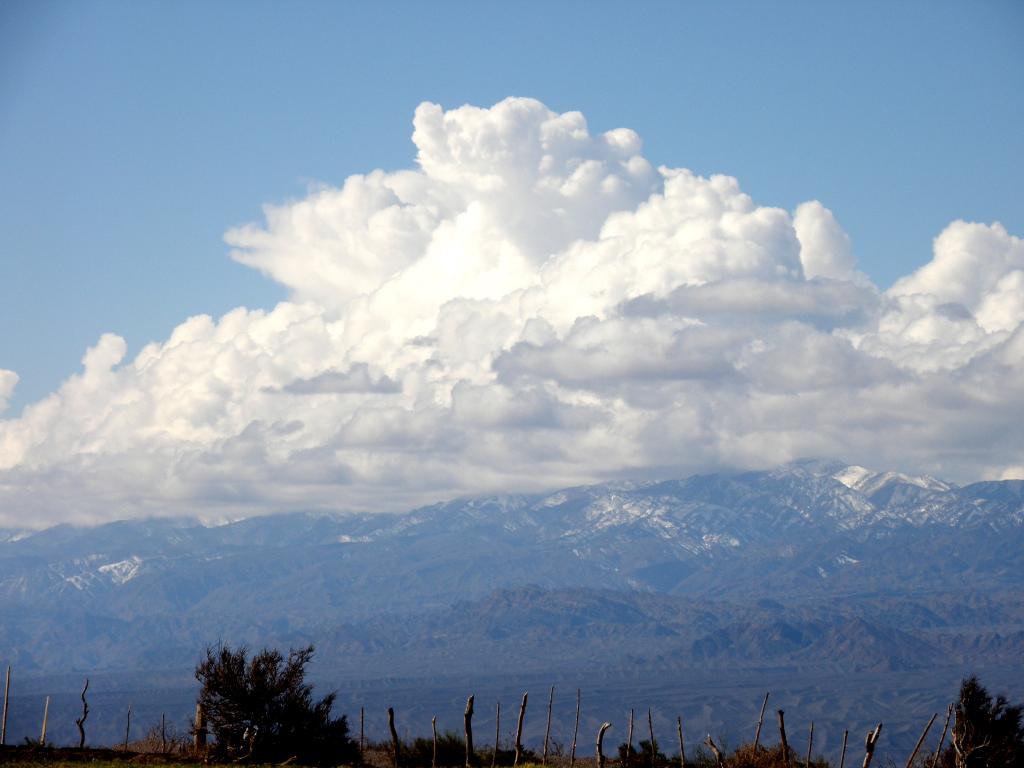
column 135, row 135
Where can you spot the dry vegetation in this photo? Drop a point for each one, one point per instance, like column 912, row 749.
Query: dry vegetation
column 982, row 733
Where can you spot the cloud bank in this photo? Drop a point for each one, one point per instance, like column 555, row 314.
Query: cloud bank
column 533, row 306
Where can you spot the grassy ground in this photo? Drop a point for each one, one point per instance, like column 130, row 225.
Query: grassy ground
column 66, row 757
column 54, row 757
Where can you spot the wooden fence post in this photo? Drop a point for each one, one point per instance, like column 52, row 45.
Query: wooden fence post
column 200, row 728
column 910, row 760
column 760, row 722
column 654, row 744
column 467, row 719
column 942, row 738
column 433, row 730
column 682, row 749
column 128, row 727
column 497, row 734
column 519, row 732
column 869, row 745
column 362, row 739
column 547, row 729
column 575, row 731
column 717, row 752
column 80, row 721
column 394, row 735
column 600, row 743
column 782, row 737
column 842, row 757
column 46, row 715
column 810, row 744
column 7, row 691
column 629, row 739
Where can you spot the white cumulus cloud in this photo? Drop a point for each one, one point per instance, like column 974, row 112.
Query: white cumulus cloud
column 534, row 305
column 8, row 381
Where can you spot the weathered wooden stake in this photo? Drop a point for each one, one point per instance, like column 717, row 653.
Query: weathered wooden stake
column 760, row 722
column 7, row 691
column 163, row 732
column 433, row 729
column 362, row 739
column 575, row 731
column 200, row 728
column 942, row 738
column 869, row 745
column 717, row 752
column 810, row 744
column 497, row 734
column 395, row 747
column 955, row 739
column 629, row 739
column 519, row 732
column 547, row 729
column 682, row 750
column 128, row 727
column 782, row 738
column 600, row 743
column 467, row 719
column 920, row 741
column 46, row 715
column 80, row 721
column 842, row 757
column 650, row 729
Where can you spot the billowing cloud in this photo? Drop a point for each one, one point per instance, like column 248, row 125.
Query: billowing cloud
column 8, row 381
column 969, row 298
column 825, row 249
column 533, row 306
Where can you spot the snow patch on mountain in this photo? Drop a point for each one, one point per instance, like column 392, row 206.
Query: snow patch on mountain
column 720, row 540
column 555, row 500
column 122, row 571
column 80, row 581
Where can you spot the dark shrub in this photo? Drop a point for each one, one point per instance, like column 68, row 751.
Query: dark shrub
column 985, row 732
column 263, row 710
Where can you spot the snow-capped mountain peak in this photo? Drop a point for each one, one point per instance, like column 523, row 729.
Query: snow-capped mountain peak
column 869, row 482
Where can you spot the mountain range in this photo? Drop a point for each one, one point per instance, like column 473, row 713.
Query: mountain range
column 814, row 578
